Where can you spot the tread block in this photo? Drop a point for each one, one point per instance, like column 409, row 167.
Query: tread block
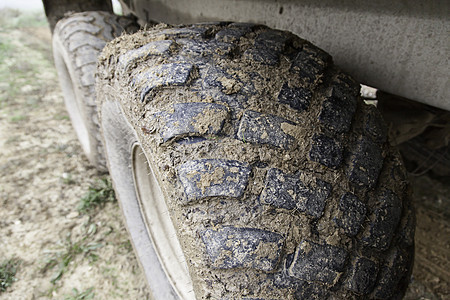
column 338, row 109
column 272, row 39
column 353, row 214
column 268, row 47
column 213, row 177
column 289, row 192
column 408, row 225
column 374, row 125
column 150, row 49
column 78, row 39
column 231, row 35
column 303, row 289
column 171, row 74
column 326, row 151
column 211, row 76
column 214, row 77
column 86, row 55
column 234, row 102
column 232, row 247
column 352, row 87
column 193, row 48
column 78, row 18
column 345, row 88
column 392, row 271
column 307, row 66
column 312, row 199
column 280, row 189
column 88, row 74
column 197, row 118
column 318, row 54
column 185, row 32
column 80, row 26
column 362, row 276
column 250, row 26
column 259, row 128
column 298, row 98
column 316, row 262
column 365, row 163
column 309, row 291
column 386, row 218
column 263, row 55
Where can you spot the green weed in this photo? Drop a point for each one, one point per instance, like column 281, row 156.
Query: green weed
column 61, row 117
column 8, row 270
column 126, row 246
column 63, row 258
column 98, row 195
column 18, row 118
column 6, row 48
column 78, row 295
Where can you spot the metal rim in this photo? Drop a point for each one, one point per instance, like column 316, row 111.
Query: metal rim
column 159, row 224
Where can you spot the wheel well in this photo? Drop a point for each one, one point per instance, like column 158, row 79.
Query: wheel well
column 57, row 9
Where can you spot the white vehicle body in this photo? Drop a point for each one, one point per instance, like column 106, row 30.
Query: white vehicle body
column 401, row 47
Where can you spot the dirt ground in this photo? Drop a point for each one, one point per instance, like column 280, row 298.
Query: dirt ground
column 66, row 254
column 43, row 176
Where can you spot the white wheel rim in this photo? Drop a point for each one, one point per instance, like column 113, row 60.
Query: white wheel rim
column 159, row 224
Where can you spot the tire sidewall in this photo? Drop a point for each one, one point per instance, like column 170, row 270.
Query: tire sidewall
column 119, row 140
column 79, row 111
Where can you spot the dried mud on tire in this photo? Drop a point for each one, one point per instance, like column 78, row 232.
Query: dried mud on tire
column 35, row 151
column 279, row 179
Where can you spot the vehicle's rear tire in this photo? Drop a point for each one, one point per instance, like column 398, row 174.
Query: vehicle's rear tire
column 278, row 179
column 77, row 42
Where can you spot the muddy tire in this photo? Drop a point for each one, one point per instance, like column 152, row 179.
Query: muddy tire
column 278, row 179
column 77, row 42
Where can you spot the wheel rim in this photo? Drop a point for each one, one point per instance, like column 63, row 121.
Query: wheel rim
column 159, row 224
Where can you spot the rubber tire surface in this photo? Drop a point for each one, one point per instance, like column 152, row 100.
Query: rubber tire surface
column 119, row 141
column 77, row 42
column 278, row 178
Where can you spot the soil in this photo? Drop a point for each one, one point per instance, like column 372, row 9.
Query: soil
column 44, row 175
column 431, row 275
